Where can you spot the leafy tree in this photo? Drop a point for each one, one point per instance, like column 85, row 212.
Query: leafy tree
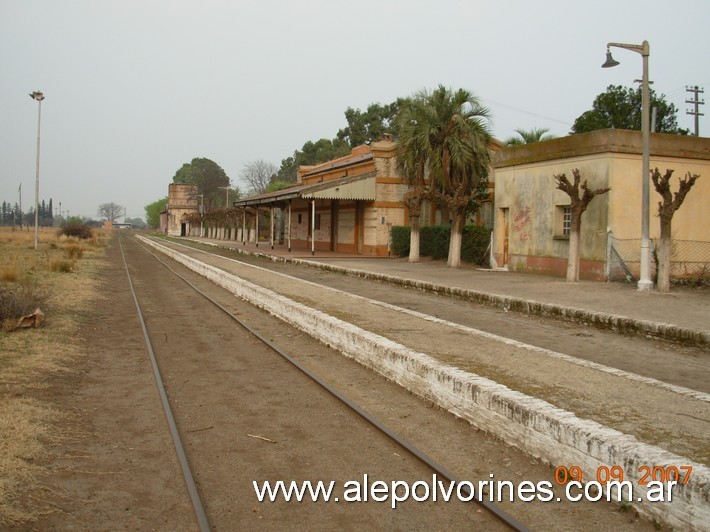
column 578, row 206
column 208, row 176
column 529, row 136
column 311, row 153
column 258, row 174
column 454, row 137
column 110, row 211
column 153, row 210
column 277, row 185
column 364, row 127
column 666, row 209
column 620, row 107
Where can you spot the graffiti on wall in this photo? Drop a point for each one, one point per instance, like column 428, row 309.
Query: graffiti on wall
column 521, row 223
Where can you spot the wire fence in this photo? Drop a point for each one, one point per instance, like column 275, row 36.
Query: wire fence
column 690, row 260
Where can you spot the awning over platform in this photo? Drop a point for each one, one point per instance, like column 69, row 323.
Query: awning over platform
column 361, row 187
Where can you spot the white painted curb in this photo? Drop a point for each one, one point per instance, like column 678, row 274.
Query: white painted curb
column 530, row 424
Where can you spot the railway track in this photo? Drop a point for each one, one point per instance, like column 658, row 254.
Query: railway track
column 256, row 413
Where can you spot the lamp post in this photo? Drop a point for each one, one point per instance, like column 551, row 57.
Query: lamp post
column 38, row 96
column 226, row 197
column 645, row 282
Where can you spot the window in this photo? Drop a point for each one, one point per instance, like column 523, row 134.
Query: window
column 317, row 221
column 299, row 218
column 566, row 220
column 563, row 221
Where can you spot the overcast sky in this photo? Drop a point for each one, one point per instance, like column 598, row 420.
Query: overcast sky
column 136, row 88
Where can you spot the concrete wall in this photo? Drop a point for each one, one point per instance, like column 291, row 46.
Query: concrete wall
column 524, row 185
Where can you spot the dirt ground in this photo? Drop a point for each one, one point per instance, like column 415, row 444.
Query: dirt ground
column 115, row 468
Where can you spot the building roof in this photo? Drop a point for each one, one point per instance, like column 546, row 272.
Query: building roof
column 360, row 187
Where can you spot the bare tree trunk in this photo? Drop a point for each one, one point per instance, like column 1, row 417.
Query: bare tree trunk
column 664, row 256
column 455, row 240
column 414, row 239
column 573, row 258
column 666, row 208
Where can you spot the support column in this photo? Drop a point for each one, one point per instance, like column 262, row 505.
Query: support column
column 244, row 227
column 256, row 234
column 313, row 227
column 289, row 226
column 272, row 227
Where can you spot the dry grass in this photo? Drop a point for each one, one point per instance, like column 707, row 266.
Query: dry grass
column 31, row 358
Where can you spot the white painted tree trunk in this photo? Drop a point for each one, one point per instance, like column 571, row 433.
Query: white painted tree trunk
column 455, row 242
column 664, row 257
column 414, row 240
column 573, row 258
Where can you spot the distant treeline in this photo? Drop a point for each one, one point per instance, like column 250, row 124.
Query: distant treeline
column 10, row 214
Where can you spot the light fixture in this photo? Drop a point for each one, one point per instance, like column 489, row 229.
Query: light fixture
column 610, row 61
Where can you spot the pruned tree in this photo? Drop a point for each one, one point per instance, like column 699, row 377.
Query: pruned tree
column 110, row 211
column 578, row 204
column 670, row 203
column 258, row 174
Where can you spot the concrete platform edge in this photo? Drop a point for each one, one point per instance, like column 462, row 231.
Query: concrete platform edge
column 600, row 320
column 530, row 424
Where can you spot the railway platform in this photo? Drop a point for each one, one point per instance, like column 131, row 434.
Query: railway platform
column 681, row 315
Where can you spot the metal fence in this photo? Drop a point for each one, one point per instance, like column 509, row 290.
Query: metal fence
column 690, row 259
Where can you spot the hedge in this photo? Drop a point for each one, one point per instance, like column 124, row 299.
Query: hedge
column 434, row 242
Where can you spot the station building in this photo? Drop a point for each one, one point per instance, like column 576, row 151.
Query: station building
column 532, row 217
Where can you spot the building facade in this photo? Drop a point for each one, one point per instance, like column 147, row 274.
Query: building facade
column 182, row 201
column 532, row 216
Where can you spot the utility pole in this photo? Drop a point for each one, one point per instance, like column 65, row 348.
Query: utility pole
column 696, row 102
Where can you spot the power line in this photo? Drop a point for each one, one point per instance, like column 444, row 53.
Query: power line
column 527, row 112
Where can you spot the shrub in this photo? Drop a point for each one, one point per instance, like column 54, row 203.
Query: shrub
column 61, row 266
column 19, row 299
column 400, row 240
column 76, row 227
column 73, row 250
column 434, row 242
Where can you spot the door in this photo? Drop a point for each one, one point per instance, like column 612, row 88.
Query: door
column 506, row 234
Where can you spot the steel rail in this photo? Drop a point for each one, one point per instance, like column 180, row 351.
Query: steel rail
column 438, row 468
column 197, row 506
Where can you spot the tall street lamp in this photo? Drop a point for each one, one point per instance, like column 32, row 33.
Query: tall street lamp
column 226, row 197
column 645, row 282
column 37, row 95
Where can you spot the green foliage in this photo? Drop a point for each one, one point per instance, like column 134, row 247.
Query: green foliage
column 620, row 107
column 529, row 136
column 76, row 227
column 208, row 176
column 277, row 185
column 365, row 126
column 153, row 210
column 311, row 153
column 400, row 240
column 434, row 242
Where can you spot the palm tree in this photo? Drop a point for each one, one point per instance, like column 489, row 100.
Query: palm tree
column 457, row 148
column 411, row 164
column 529, row 136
